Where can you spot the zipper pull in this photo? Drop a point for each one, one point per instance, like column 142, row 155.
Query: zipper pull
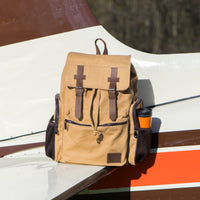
column 136, row 132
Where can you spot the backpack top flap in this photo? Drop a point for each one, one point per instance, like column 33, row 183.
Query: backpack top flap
column 97, row 71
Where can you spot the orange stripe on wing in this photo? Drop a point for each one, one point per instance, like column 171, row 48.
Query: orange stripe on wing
column 157, row 169
column 172, row 168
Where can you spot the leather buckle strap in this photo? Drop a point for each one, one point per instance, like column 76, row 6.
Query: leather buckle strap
column 79, row 91
column 113, row 104
column 79, row 102
column 112, row 93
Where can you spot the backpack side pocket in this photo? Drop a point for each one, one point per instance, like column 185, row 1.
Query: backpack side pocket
column 143, row 144
column 50, row 139
column 52, row 129
column 133, row 127
column 140, row 138
column 144, row 133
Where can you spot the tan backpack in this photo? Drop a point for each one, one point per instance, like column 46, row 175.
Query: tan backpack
column 95, row 119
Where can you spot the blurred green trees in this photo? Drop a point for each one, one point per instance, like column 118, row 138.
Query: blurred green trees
column 157, row 26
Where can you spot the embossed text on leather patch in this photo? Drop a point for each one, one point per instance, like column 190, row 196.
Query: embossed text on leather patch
column 114, row 158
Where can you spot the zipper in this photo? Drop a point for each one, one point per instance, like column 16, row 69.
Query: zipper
column 114, row 124
column 102, row 125
column 76, row 123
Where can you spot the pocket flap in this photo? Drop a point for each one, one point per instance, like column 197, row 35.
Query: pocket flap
column 97, row 70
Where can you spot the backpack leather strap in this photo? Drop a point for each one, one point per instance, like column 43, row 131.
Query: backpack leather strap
column 105, row 52
column 112, row 93
column 79, row 91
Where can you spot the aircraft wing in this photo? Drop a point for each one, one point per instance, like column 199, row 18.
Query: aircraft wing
column 34, row 176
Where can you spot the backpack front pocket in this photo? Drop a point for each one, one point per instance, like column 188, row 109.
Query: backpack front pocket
column 81, row 143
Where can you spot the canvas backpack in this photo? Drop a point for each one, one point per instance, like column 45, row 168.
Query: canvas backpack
column 95, row 120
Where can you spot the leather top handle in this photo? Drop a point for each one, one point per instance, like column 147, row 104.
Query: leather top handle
column 105, row 52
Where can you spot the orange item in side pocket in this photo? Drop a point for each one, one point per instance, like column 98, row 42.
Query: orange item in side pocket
column 144, row 117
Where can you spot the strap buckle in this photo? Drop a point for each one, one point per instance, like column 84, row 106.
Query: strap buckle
column 79, row 91
column 112, row 93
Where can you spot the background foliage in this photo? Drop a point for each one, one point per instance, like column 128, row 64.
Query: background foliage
column 156, row 26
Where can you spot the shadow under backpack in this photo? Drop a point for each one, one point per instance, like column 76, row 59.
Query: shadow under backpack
column 95, row 120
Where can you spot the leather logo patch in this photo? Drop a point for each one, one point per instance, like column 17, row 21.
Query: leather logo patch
column 114, row 158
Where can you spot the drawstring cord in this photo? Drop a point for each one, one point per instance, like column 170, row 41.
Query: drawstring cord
column 94, row 122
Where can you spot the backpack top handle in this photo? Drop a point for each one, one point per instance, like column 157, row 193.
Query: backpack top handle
column 105, row 52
